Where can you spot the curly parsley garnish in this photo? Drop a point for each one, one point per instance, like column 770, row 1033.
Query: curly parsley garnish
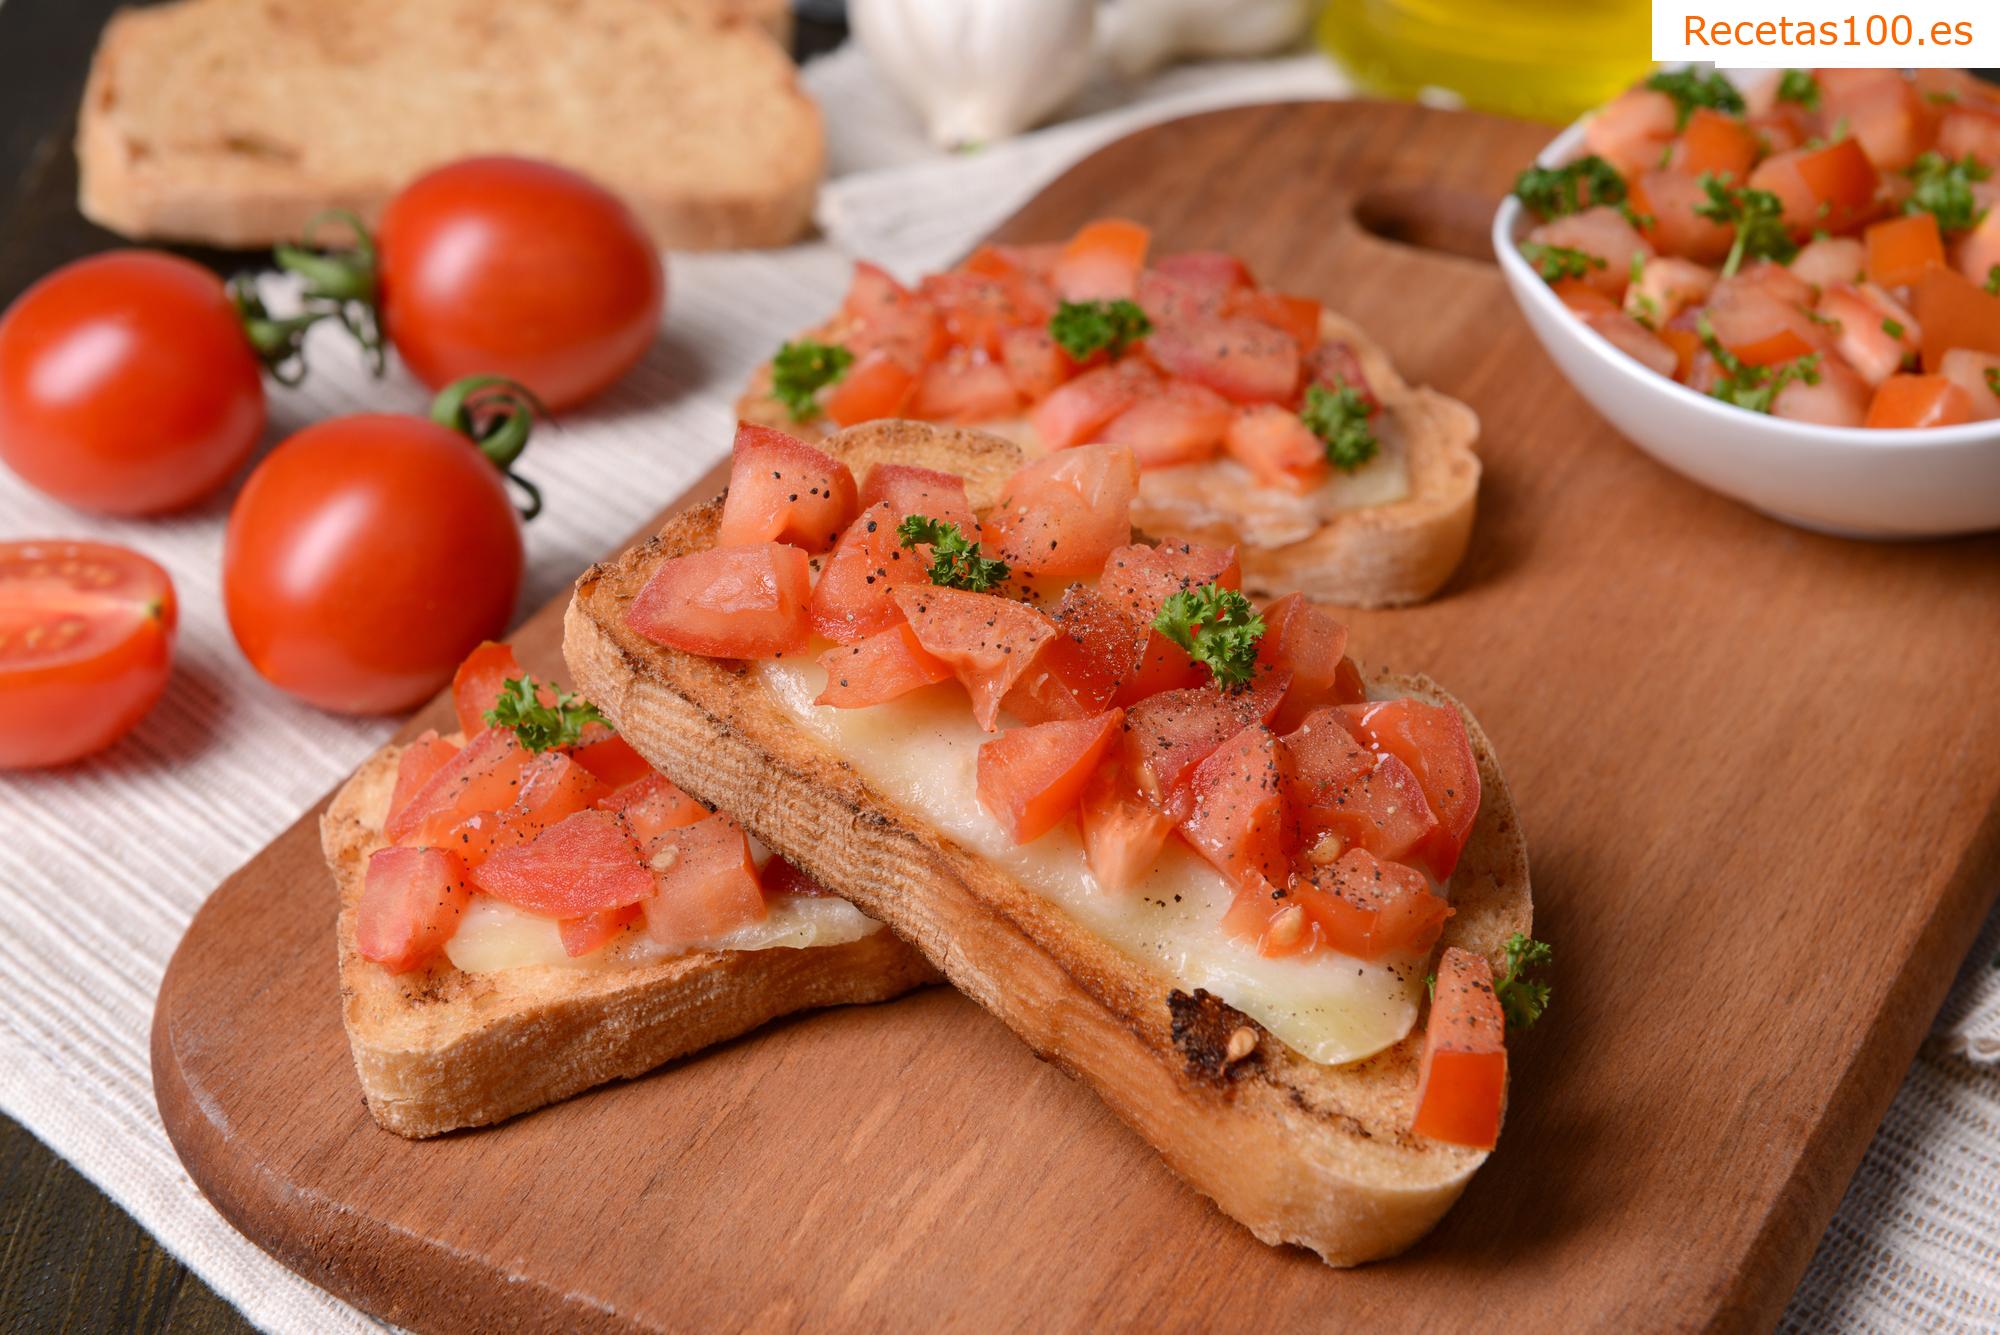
column 1801, row 87
column 1993, row 281
column 1218, row 627
column 1944, row 188
column 1553, row 192
column 1085, row 327
column 1555, row 263
column 955, row 562
column 802, row 369
column 1757, row 216
column 1753, row 387
column 1339, row 417
column 1521, row 1000
column 1689, row 90
column 538, row 726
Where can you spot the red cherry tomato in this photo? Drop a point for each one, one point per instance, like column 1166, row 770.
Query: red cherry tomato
column 366, row 557
column 521, row 269
column 86, row 641
column 126, row 384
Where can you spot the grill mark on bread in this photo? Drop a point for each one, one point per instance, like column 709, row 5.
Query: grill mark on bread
column 1208, row 1032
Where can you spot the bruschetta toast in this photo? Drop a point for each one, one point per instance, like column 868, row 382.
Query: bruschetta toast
column 1259, row 419
column 1210, row 886
column 489, row 962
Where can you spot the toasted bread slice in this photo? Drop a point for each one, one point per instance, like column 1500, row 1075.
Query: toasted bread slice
column 1384, row 555
column 438, row 1049
column 234, row 122
column 1299, row 1152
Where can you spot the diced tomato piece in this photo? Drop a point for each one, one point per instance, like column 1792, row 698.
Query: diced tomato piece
column 594, row 931
column 1759, row 327
column 1102, row 261
column 650, row 808
column 964, row 387
column 1169, row 301
column 1665, row 288
column 1034, row 363
column 1306, row 642
column 1831, row 187
column 1067, row 680
column 1277, row 448
column 909, row 490
column 1667, row 200
column 851, row 601
column 1882, row 111
column 1368, row 908
column 1061, row 514
column 1636, row 341
column 1970, row 130
column 883, row 666
column 977, row 309
column 1346, row 796
column 479, row 682
column 1978, row 374
column 989, row 641
column 1919, row 401
column 481, row 777
column 1432, row 741
column 1079, row 409
column 1955, row 313
column 1462, row 1076
column 1337, row 366
column 876, row 386
column 1873, row 334
column 1717, row 143
column 581, row 864
column 1215, row 273
column 1244, row 360
column 421, row 759
column 1124, row 647
column 728, row 602
column 610, row 757
column 1830, row 260
column 1138, row 579
column 783, row 490
column 1900, row 249
column 553, row 787
column 707, row 884
column 1976, row 253
column 410, row 905
column 1603, row 233
column 1169, row 734
column 888, row 317
column 1838, row 398
column 1581, row 298
column 1122, row 832
column 1031, row 777
column 1240, row 819
column 1632, row 130
column 1180, row 422
column 1297, row 317
column 782, row 877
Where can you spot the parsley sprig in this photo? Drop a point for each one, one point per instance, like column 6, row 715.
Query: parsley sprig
column 1757, row 216
column 955, row 562
column 1554, row 192
column 1944, row 187
column 1753, row 387
column 1993, row 281
column 1339, row 417
column 538, row 726
column 1084, row 328
column 1522, row 1000
column 1555, row 263
column 802, row 369
column 1690, row 89
column 1218, row 627
column 1801, row 87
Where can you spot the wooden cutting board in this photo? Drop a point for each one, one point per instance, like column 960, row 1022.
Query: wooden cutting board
column 1758, row 770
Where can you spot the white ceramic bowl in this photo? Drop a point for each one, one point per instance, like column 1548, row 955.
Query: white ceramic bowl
column 1846, row 480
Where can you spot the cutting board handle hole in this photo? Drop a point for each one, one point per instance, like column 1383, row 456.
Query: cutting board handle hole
column 1429, row 217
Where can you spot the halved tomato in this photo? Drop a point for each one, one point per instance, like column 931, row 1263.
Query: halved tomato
column 1079, row 410
column 1901, row 248
column 963, row 386
column 410, row 905
column 1169, row 734
column 1179, row 422
column 482, row 777
column 1432, row 741
column 989, row 641
column 887, row 317
column 477, row 685
column 851, row 601
column 1102, row 261
column 910, row 490
column 1462, row 1075
column 728, row 602
column 783, row 490
column 1061, row 514
column 582, row 864
column 1122, row 832
column 878, row 385
column 650, row 808
column 1919, row 401
column 1240, row 820
column 1348, row 797
column 707, row 884
column 1311, row 645
column 1031, row 777
column 1277, row 448
column 883, row 666
column 421, row 759
column 1244, row 360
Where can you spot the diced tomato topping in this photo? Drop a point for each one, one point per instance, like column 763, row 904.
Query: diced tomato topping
column 1102, row 261
column 410, row 905
column 1838, row 398
column 964, row 387
column 1031, row 777
column 1240, row 819
column 610, row 757
column 1716, row 143
column 988, row 641
column 581, row 864
column 977, row 309
column 1069, row 679
column 421, row 759
column 1668, row 201
column 1432, row 741
column 1581, row 298
column 1955, row 313
column 888, row 317
column 481, row 777
column 1297, row 317
column 1062, row 513
column 707, row 884
column 1079, row 410
column 1900, row 249
column 876, row 386
column 851, row 601
column 1606, row 235
column 1636, row 341
column 1277, row 448
column 783, row 490
column 1337, row 366
column 1919, row 401
column 1122, row 832
column 1759, row 326
column 650, row 808
column 1309, row 644
column 1831, row 187
column 1632, row 129
column 883, row 666
column 594, row 931
column 553, row 787
column 781, row 877
column 1346, row 796
column 909, row 490
column 1215, row 273
column 477, row 685
column 1462, row 1076
column 1978, row 374
column 1138, row 579
column 1180, row 422
column 1169, row 300
column 1357, row 905
column 1883, row 113
column 1169, row 734
column 728, row 602
column 1872, row 333
column 1244, row 360
column 1034, row 362
column 1137, row 658
column 1829, row 260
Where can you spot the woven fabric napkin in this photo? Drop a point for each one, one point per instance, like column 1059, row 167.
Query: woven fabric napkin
column 132, row 841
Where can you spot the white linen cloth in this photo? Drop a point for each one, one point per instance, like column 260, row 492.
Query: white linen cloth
column 131, row 841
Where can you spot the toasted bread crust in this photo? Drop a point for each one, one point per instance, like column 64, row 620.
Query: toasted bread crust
column 1379, row 556
column 1320, row 1156
column 437, row 1049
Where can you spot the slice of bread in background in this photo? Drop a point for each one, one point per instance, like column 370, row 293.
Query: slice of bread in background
column 233, row 122
column 438, row 1049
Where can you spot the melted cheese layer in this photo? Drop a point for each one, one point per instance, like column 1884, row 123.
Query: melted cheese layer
column 493, row 935
column 921, row 751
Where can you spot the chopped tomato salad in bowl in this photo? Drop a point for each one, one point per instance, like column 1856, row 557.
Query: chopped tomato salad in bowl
column 1787, row 289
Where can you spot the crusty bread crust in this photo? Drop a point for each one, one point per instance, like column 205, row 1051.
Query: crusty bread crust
column 235, row 122
column 1379, row 556
column 438, row 1049
column 1316, row 1155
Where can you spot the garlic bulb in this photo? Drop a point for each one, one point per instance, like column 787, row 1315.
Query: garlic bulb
column 1142, row 35
column 979, row 70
